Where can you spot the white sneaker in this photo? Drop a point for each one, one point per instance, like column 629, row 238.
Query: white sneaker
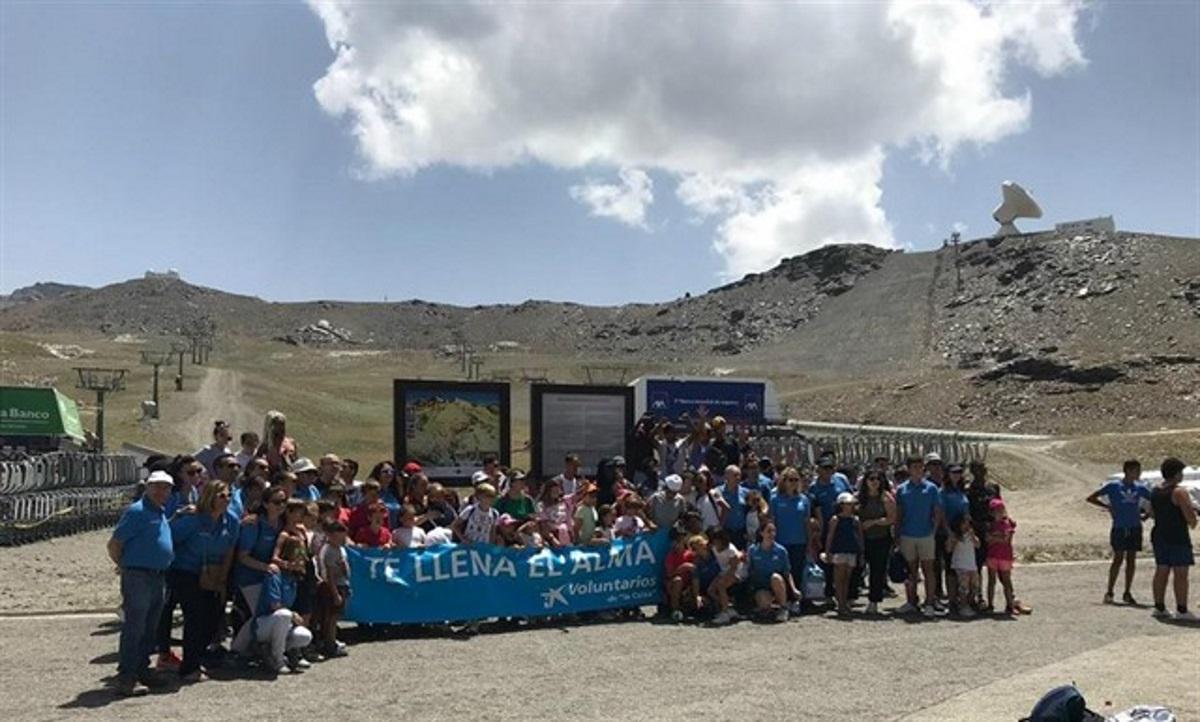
column 1186, row 617
column 872, row 609
column 781, row 615
column 677, row 616
column 723, row 617
column 929, row 610
column 906, row 608
column 1161, row 614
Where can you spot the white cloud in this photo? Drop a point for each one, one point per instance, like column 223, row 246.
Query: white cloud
column 775, row 118
column 625, row 201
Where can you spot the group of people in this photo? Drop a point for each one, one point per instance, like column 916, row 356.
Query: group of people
column 262, row 532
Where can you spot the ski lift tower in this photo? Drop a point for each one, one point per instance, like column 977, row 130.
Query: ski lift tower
column 157, row 359
column 102, row 381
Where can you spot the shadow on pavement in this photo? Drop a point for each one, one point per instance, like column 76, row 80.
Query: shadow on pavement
column 107, row 658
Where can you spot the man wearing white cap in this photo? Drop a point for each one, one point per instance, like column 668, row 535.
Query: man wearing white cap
column 142, row 549
column 666, row 505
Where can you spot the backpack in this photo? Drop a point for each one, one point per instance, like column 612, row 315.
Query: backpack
column 1062, row 704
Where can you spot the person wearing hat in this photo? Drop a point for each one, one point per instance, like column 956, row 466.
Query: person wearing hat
column 142, row 549
column 844, row 543
column 935, row 472
column 306, row 480
column 918, row 514
column 516, row 502
column 824, row 492
column 667, row 504
column 953, row 499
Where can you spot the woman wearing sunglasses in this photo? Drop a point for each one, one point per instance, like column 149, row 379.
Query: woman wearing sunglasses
column 204, row 540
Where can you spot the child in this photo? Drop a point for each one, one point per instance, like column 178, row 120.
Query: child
column 334, row 572
column 633, row 521
column 439, row 511
column 529, row 536
column 845, row 545
column 730, row 573
column 679, row 574
column 294, row 537
column 757, row 510
column 555, row 512
column 961, row 547
column 476, row 524
column 604, row 530
column 585, row 514
column 407, row 534
column 516, row 503
column 1000, row 554
column 274, row 623
column 375, row 533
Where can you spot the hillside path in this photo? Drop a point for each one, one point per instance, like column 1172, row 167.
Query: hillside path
column 220, row 396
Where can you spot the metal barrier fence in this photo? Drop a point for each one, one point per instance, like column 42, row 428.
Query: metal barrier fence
column 63, row 493
column 45, row 514
column 63, row 470
column 862, row 449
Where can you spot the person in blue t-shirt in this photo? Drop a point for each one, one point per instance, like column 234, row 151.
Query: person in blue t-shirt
column 824, row 492
column 306, row 480
column 918, row 513
column 794, row 519
column 204, row 540
column 274, row 623
column 733, row 518
column 1124, row 499
column 953, row 499
column 770, row 575
column 256, row 547
column 141, row 548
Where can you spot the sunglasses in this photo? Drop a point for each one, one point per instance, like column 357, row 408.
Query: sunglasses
column 193, row 472
column 223, row 495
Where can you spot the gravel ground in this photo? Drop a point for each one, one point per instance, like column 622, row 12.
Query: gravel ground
column 814, row 668
column 68, row 573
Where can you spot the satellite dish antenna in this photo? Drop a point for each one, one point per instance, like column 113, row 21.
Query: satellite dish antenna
column 1016, row 203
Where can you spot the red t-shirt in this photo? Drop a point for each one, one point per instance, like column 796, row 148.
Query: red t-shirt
column 360, row 518
column 676, row 558
column 368, row 537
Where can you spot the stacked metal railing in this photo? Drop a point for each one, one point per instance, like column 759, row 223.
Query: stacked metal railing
column 63, row 493
column 860, row 449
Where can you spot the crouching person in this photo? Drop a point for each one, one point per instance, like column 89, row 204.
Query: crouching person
column 275, row 626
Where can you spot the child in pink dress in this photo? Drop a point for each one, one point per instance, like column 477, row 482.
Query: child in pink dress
column 1000, row 554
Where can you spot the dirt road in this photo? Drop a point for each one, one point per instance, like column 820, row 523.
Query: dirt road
column 220, row 397
column 814, row 668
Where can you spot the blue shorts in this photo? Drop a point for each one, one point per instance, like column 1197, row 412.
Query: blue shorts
column 1126, row 540
column 1173, row 555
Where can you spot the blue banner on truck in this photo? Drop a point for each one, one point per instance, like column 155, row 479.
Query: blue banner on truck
column 740, row 401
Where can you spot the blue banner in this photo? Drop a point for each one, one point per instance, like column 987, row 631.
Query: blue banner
column 475, row 581
column 739, row 401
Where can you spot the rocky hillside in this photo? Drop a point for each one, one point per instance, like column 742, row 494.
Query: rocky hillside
column 39, row 292
column 990, row 307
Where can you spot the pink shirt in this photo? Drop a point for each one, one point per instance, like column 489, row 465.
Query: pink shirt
column 1003, row 549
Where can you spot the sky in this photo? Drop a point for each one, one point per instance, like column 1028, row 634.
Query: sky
column 601, row 153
